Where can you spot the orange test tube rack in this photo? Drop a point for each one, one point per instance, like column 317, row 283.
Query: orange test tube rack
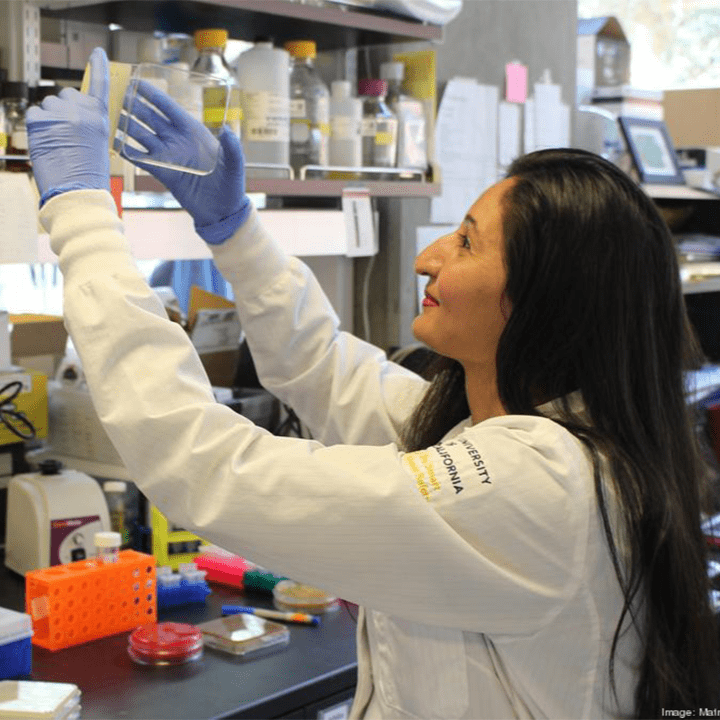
column 85, row 600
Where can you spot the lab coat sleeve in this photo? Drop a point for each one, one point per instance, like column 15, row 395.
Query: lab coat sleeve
column 486, row 534
column 345, row 390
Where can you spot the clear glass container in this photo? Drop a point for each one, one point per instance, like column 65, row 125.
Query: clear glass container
column 309, row 108
column 115, row 495
column 15, row 103
column 210, row 45
column 410, row 113
column 379, row 127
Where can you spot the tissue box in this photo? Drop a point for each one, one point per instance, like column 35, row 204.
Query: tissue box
column 15, row 644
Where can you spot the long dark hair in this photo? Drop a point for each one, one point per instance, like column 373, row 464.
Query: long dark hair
column 597, row 304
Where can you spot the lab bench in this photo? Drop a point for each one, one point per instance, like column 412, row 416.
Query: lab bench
column 312, row 677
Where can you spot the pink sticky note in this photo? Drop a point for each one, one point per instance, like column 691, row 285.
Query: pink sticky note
column 516, row 81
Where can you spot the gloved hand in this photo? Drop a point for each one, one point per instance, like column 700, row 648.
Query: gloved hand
column 217, row 202
column 68, row 136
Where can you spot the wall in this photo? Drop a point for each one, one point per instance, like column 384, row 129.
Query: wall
column 478, row 43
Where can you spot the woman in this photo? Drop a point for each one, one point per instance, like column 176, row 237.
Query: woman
column 533, row 549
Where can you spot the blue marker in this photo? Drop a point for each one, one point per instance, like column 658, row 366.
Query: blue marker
column 295, row 617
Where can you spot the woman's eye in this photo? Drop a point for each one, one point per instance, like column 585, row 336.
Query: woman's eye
column 464, row 242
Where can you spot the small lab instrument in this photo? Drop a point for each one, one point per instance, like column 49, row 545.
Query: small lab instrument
column 295, row 617
column 52, row 517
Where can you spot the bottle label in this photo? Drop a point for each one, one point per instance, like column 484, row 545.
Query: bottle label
column 299, row 130
column 217, row 108
column 20, row 140
column 298, row 108
column 386, row 132
column 345, row 127
column 266, row 117
column 322, row 110
column 3, row 142
column 368, row 127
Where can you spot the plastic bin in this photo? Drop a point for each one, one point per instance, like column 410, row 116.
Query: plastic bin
column 15, row 644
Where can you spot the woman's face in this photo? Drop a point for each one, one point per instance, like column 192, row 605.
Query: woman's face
column 465, row 311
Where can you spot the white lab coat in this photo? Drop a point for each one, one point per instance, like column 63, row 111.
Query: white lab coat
column 481, row 563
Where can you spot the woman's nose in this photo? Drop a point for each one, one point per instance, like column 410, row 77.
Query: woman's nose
column 429, row 261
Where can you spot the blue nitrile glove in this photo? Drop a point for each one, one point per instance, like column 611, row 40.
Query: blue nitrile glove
column 68, row 136
column 217, row 202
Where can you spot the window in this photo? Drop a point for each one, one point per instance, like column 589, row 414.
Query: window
column 38, row 287
column 673, row 43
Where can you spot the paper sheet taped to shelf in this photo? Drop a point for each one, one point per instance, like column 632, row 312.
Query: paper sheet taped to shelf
column 18, row 219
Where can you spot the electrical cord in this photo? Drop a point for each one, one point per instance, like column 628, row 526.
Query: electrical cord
column 291, row 426
column 20, row 425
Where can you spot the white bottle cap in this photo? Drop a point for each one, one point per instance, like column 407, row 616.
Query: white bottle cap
column 150, row 50
column 107, row 539
column 392, row 71
column 115, row 486
column 340, row 89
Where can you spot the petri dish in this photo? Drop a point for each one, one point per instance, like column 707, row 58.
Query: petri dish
column 205, row 98
column 165, row 643
column 291, row 595
column 244, row 634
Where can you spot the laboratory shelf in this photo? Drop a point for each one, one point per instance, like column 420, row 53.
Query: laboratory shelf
column 332, row 26
column 281, row 187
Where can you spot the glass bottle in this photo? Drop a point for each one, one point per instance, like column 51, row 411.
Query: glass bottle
column 309, row 107
column 15, row 102
column 210, row 45
column 115, row 491
column 379, row 125
column 410, row 113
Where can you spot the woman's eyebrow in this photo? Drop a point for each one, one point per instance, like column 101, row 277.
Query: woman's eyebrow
column 470, row 220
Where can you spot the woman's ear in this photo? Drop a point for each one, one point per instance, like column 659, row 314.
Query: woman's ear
column 505, row 305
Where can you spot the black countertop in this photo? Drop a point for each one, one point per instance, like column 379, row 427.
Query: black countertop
column 318, row 663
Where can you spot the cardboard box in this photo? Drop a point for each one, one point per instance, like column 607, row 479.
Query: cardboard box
column 31, row 401
column 692, row 115
column 603, row 56
column 38, row 342
column 215, row 332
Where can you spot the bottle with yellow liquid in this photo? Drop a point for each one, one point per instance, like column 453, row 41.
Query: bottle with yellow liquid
column 210, row 45
column 309, row 108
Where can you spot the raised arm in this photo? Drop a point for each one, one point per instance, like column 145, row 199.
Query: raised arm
column 343, row 389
